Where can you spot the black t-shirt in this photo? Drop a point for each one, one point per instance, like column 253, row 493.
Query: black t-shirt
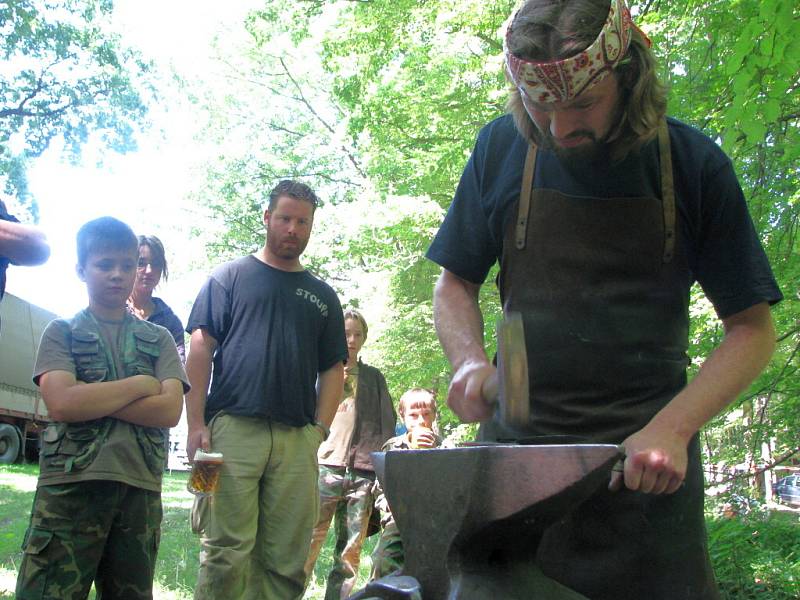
column 4, row 262
column 723, row 251
column 276, row 330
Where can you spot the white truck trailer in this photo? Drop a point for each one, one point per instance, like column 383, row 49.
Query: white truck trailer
column 22, row 412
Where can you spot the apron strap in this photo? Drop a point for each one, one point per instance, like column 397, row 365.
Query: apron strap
column 667, row 191
column 667, row 194
column 525, row 198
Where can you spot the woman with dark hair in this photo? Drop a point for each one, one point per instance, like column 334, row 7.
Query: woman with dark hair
column 151, row 267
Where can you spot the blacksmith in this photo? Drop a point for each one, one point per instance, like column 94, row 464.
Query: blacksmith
column 602, row 214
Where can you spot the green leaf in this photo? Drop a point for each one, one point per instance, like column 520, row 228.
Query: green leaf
column 754, row 130
column 768, row 10
column 772, row 110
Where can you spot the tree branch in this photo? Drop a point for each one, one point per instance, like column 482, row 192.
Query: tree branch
column 768, row 467
column 319, row 118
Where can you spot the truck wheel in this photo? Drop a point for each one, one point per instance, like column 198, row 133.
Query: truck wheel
column 9, row 444
column 30, row 448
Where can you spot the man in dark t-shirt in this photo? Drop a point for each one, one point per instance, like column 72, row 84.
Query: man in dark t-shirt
column 272, row 334
column 602, row 214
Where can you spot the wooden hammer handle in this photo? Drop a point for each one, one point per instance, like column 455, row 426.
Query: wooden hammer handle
column 490, row 388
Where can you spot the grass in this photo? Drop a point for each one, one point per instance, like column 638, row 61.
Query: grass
column 176, row 569
column 755, row 556
column 316, row 587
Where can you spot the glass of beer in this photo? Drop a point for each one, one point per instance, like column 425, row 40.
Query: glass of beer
column 415, row 434
column 204, row 479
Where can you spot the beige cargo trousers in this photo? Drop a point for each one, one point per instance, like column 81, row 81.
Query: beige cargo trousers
column 256, row 530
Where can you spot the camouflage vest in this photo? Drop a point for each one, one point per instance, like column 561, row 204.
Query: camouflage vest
column 73, row 446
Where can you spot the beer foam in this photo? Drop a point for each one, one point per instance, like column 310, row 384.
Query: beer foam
column 210, row 456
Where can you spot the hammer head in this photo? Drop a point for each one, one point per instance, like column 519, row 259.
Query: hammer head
column 513, row 402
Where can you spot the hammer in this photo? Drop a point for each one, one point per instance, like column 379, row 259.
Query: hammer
column 508, row 386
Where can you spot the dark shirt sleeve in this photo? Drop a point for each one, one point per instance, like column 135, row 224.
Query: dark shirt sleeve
column 175, row 327
column 464, row 244
column 332, row 343
column 731, row 265
column 180, row 343
column 211, row 310
column 4, row 214
column 4, row 262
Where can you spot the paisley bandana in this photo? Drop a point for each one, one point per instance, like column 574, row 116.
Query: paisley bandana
column 565, row 79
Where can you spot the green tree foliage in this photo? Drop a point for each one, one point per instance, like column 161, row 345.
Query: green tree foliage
column 419, row 79
column 271, row 117
column 734, row 72
column 65, row 75
column 756, row 556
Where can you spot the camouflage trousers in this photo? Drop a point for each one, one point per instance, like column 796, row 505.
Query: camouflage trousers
column 346, row 495
column 388, row 555
column 102, row 531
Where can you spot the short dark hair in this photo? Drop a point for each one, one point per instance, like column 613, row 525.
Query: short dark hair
column 293, row 189
column 157, row 249
column 105, row 233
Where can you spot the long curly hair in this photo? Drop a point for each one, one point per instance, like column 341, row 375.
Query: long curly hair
column 546, row 30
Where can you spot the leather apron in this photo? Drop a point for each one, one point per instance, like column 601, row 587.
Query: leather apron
column 598, row 282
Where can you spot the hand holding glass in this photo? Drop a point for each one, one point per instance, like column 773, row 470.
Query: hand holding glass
column 204, row 478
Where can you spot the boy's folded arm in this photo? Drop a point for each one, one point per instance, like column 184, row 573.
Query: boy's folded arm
column 69, row 400
column 159, row 410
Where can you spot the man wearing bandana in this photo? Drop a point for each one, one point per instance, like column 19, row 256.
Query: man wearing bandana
column 602, row 214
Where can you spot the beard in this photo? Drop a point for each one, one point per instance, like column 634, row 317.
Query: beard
column 590, row 151
column 594, row 149
column 279, row 247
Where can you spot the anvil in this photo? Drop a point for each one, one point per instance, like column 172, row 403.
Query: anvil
column 471, row 518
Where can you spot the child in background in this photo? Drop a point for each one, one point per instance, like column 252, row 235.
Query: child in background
column 418, row 411
column 111, row 383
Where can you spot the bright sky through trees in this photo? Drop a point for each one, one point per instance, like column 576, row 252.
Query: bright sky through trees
column 146, row 188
